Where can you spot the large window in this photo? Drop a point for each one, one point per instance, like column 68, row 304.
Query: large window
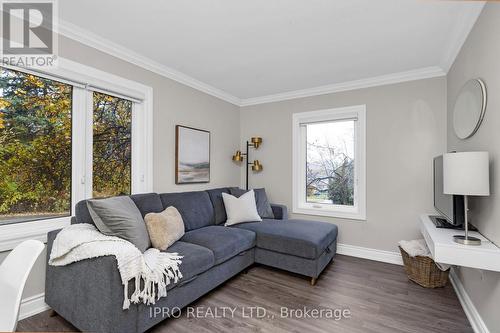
column 329, row 162
column 62, row 141
column 35, row 147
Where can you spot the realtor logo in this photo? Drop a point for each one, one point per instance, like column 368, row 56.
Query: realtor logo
column 28, row 35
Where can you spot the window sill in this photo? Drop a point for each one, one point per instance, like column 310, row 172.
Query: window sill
column 13, row 234
column 330, row 213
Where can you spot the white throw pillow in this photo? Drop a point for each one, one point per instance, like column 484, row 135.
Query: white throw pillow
column 242, row 209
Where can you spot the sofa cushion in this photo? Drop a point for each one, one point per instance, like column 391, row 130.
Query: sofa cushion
column 218, row 204
column 196, row 260
column 164, row 228
column 195, row 208
column 224, row 242
column 82, row 214
column 120, row 217
column 242, row 209
column 263, row 205
column 307, row 239
column 147, row 203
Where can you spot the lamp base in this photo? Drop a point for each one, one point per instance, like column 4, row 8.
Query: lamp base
column 466, row 241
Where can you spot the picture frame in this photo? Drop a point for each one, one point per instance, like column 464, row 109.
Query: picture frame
column 192, row 155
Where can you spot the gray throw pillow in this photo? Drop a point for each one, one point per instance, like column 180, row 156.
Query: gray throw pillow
column 263, row 205
column 120, row 217
column 218, row 203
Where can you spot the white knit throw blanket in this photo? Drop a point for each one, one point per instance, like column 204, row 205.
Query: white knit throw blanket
column 156, row 269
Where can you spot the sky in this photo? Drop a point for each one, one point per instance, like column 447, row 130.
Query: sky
column 338, row 134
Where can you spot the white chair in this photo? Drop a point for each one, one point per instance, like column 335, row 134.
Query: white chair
column 14, row 271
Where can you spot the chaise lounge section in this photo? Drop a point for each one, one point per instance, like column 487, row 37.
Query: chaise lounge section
column 299, row 246
column 89, row 293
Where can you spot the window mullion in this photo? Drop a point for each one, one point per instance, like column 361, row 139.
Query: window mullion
column 78, row 171
column 89, row 151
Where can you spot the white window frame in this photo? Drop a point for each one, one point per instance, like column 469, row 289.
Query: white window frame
column 300, row 204
column 84, row 80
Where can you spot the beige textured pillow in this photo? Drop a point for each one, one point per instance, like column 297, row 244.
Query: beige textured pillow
column 164, row 228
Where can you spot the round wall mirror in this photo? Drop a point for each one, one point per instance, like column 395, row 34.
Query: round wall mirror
column 469, row 108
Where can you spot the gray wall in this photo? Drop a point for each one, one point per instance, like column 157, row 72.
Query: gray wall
column 174, row 104
column 479, row 57
column 406, row 128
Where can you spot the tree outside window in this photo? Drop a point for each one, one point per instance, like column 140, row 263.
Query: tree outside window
column 35, row 147
column 330, row 163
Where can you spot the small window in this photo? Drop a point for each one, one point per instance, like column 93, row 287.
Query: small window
column 329, row 162
column 35, row 147
column 112, row 146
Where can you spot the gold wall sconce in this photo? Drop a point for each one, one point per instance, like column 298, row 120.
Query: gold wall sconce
column 255, row 143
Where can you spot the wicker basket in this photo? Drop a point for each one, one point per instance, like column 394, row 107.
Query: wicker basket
column 423, row 270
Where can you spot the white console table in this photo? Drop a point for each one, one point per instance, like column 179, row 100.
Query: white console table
column 444, row 250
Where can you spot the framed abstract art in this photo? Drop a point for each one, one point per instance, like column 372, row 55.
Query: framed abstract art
column 192, row 155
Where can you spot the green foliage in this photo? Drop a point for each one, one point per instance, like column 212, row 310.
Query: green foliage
column 112, row 146
column 35, row 144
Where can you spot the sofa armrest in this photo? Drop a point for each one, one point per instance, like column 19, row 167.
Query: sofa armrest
column 280, row 212
column 89, row 294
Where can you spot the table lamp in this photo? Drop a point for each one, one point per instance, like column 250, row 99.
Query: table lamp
column 467, row 174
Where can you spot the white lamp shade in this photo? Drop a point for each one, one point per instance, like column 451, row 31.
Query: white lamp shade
column 466, row 173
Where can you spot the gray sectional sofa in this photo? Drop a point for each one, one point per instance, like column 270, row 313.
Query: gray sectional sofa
column 89, row 293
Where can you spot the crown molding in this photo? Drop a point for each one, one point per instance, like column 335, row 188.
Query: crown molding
column 417, row 74
column 90, row 39
column 459, row 34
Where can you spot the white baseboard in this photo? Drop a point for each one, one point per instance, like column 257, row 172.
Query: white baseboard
column 33, row 305
column 470, row 310
column 371, row 254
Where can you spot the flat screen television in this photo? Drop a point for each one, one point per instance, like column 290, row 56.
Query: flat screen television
column 451, row 207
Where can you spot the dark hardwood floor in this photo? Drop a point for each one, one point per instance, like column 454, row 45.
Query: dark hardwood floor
column 378, row 297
